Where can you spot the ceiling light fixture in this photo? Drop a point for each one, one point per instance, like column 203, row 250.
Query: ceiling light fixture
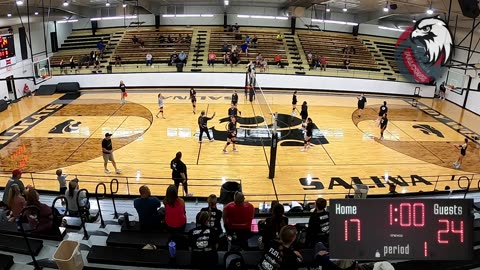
column 107, row 4
column 385, row 9
column 19, row 2
column 9, row 15
column 430, row 10
column 65, row 3
column 414, row 21
column 124, row 5
column 36, row 13
column 327, row 10
column 345, row 8
column 226, row 2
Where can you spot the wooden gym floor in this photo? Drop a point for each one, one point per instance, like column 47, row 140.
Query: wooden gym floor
column 416, row 149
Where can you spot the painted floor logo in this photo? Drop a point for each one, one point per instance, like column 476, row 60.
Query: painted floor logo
column 423, row 50
column 66, row 126
column 427, row 129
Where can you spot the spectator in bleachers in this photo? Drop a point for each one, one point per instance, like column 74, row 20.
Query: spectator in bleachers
column 173, row 59
column 323, row 63
column 147, row 209
column 236, row 28
column 279, row 37
column 281, row 255
column 211, row 58
column 100, row 46
column 135, row 39
column 263, row 65
column 346, row 63
column 318, row 224
column 225, row 47
column 62, row 67
column 229, row 28
column 175, row 218
column 72, row 63
column 203, row 243
column 244, row 48
column 309, row 57
column 180, row 38
column 278, row 61
column 346, row 50
column 188, row 38
column 248, row 39
column 16, row 202
column 15, row 179
column 254, row 41
column 97, row 63
column 227, row 59
column 118, row 60
column 148, row 59
column 237, row 218
column 270, row 228
column 141, row 42
column 352, row 50
column 258, row 59
column 235, row 57
column 161, row 39
column 44, row 221
column 215, row 214
column 170, row 39
column 182, row 57
column 75, row 198
column 315, row 62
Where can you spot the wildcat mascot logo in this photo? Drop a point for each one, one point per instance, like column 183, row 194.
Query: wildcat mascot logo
column 423, row 50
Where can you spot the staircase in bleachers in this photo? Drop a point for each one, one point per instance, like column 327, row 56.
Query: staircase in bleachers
column 385, row 66
column 293, row 53
column 198, row 52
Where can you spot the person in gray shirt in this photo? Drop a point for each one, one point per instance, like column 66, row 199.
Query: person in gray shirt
column 15, row 179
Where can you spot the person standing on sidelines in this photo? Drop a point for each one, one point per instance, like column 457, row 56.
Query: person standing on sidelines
column 308, row 134
column 383, row 110
column 383, row 125
column 107, row 150
column 362, row 100
column 203, row 126
column 231, row 134
column 123, row 93
column 304, row 113
column 294, row 103
column 463, row 152
column 160, row 105
column 179, row 172
column 193, row 99
column 235, row 98
column 251, row 94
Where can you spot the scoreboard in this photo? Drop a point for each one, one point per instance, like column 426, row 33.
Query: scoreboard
column 7, row 50
column 406, row 229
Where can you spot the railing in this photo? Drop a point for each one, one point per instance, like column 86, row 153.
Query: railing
column 272, row 69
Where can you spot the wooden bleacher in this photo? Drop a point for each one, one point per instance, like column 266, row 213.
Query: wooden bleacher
column 331, row 46
column 388, row 52
column 133, row 54
column 267, row 45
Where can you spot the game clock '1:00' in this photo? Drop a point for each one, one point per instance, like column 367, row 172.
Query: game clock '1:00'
column 383, row 229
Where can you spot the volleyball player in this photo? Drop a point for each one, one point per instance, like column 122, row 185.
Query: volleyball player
column 308, row 134
column 304, row 113
column 235, row 98
column 231, row 135
column 193, row 99
column 251, row 94
column 123, row 93
column 294, row 103
column 383, row 125
column 362, row 100
column 383, row 110
column 160, row 105
column 233, row 111
column 203, row 126
column 463, row 152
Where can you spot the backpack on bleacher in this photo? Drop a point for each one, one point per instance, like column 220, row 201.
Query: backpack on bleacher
column 234, row 261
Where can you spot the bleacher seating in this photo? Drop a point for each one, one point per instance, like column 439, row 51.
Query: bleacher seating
column 267, row 45
column 388, row 52
column 10, row 228
column 133, row 54
column 18, row 244
column 331, row 46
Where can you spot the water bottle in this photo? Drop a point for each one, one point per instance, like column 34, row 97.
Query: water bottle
column 172, row 249
column 196, row 201
column 229, row 240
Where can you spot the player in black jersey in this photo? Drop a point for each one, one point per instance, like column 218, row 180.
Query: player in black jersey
column 193, row 99
column 203, row 126
column 233, row 111
column 235, row 98
column 304, row 113
column 294, row 102
column 308, row 134
column 463, row 152
column 383, row 125
column 362, row 100
column 281, row 255
column 383, row 110
column 231, row 135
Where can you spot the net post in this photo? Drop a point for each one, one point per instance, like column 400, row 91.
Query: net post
column 273, row 147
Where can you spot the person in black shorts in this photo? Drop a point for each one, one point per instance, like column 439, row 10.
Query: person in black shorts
column 362, row 100
column 193, row 99
column 294, row 102
column 123, row 93
column 304, row 113
column 463, row 152
column 203, row 126
column 383, row 125
column 107, row 151
column 179, row 172
column 233, row 111
column 383, row 110
column 251, row 94
column 308, row 135
column 231, row 135
column 235, row 98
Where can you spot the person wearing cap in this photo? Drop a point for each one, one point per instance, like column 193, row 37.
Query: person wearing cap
column 15, row 179
column 107, row 150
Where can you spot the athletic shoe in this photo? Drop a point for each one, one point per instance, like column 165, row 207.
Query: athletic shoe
column 117, row 171
column 303, row 150
column 235, row 150
column 225, row 151
column 107, row 171
column 212, row 140
column 164, row 117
